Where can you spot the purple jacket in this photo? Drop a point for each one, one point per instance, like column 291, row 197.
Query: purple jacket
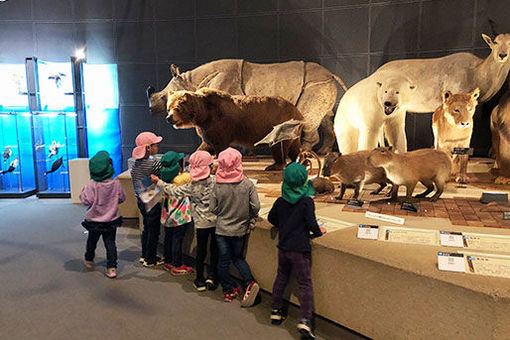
column 103, row 200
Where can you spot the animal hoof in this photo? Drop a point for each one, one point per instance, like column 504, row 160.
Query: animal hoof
column 462, row 179
column 339, row 198
column 502, row 180
column 275, row 167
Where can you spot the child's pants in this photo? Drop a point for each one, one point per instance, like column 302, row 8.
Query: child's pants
column 173, row 244
column 150, row 233
column 203, row 236
column 231, row 248
column 300, row 264
column 109, row 244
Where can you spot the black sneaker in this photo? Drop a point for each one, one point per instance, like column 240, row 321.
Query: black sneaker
column 277, row 316
column 305, row 328
column 199, row 285
column 211, row 284
column 157, row 261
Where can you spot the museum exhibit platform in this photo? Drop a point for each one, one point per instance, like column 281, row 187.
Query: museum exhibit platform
column 389, row 289
column 394, row 290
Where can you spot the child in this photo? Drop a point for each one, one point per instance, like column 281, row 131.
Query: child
column 175, row 214
column 294, row 216
column 236, row 203
column 199, row 192
column 102, row 195
column 145, row 165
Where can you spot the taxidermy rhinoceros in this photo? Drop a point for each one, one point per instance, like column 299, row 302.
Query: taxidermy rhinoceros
column 308, row 86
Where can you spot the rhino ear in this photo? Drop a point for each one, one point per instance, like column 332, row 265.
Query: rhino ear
column 174, row 70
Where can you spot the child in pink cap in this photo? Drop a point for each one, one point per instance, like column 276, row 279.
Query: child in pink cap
column 199, row 192
column 236, row 203
column 146, row 165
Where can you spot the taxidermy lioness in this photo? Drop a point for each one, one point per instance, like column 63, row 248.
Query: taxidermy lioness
column 452, row 124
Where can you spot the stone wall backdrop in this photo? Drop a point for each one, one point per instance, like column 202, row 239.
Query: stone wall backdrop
column 143, row 37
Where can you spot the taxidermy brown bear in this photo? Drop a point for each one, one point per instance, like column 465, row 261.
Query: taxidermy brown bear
column 224, row 120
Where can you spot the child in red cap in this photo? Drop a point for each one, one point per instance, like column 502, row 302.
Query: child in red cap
column 146, row 165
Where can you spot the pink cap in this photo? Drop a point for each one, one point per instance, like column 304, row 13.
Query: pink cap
column 199, row 162
column 230, row 166
column 143, row 140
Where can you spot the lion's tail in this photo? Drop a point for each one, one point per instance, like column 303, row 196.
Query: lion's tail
column 340, row 81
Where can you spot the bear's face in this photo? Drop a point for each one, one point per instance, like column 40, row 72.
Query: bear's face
column 459, row 108
column 380, row 156
column 392, row 92
column 182, row 109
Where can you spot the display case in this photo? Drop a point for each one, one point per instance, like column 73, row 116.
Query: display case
column 54, row 128
column 17, row 176
column 102, row 111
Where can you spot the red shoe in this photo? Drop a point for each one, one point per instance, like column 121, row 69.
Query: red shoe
column 182, row 270
column 228, row 297
column 250, row 295
column 168, row 267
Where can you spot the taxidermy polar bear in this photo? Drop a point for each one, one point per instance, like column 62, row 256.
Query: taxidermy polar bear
column 359, row 123
column 458, row 72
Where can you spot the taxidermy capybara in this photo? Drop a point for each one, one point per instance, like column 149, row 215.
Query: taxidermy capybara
column 452, row 124
column 427, row 166
column 224, row 120
column 354, row 170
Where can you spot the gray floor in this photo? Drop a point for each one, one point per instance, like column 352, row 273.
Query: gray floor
column 46, row 293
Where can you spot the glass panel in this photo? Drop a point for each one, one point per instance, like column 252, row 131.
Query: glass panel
column 102, row 111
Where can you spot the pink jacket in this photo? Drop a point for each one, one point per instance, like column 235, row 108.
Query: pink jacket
column 103, row 199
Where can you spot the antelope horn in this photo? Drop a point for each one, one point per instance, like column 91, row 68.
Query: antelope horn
column 493, row 26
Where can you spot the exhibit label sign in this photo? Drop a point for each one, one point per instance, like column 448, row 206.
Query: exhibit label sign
column 451, row 262
column 451, row 239
column 385, row 218
column 487, row 242
column 488, row 264
column 368, row 232
column 409, row 235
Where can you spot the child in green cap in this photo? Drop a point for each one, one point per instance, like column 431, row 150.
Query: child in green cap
column 102, row 195
column 293, row 215
column 175, row 213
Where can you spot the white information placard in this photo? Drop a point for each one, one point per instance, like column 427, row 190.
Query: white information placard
column 385, row 218
column 451, row 262
column 451, row 239
column 368, row 232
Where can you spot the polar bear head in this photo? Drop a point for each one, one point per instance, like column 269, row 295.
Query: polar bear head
column 394, row 92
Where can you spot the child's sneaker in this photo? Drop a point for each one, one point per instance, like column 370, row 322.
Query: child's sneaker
column 158, row 261
column 277, row 316
column 211, row 284
column 182, row 270
column 250, row 295
column 199, row 285
column 89, row 264
column 228, row 297
column 305, row 328
column 111, row 273
column 167, row 266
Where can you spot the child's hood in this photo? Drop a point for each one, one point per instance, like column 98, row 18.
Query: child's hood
column 230, row 166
